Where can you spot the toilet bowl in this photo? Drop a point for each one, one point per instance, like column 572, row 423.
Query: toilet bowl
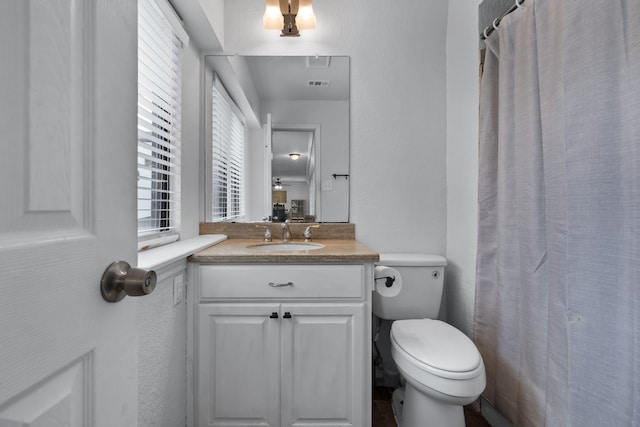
column 443, row 371
column 441, row 367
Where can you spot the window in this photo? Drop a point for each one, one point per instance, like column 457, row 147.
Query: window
column 227, row 154
column 160, row 41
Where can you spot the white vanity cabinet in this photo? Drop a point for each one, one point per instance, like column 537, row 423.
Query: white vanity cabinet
column 282, row 345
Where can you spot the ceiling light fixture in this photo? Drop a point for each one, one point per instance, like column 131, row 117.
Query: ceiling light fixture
column 290, row 16
column 294, row 156
column 277, row 185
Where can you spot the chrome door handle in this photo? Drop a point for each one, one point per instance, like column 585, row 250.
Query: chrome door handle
column 120, row 279
column 279, row 285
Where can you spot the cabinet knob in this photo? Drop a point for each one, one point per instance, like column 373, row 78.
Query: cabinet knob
column 287, row 315
column 274, row 315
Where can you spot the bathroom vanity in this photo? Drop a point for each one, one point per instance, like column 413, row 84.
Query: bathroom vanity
column 281, row 338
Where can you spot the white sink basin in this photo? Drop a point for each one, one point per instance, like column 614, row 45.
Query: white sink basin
column 282, row 247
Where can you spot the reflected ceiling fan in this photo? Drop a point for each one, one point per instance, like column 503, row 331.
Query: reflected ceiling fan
column 277, row 184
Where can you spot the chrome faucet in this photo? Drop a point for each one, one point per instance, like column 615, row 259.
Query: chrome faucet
column 307, row 232
column 286, row 233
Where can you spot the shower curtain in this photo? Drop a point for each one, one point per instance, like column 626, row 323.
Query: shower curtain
column 557, row 316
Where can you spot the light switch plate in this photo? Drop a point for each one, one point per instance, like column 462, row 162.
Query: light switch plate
column 327, row 185
column 178, row 289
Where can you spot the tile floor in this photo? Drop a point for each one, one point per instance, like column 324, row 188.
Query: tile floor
column 383, row 414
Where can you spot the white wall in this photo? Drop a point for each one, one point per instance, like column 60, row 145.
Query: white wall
column 162, row 358
column 462, row 161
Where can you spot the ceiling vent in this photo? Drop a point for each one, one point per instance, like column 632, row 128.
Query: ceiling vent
column 318, row 83
column 318, row 61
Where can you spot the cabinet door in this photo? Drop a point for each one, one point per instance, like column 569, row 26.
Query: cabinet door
column 238, row 367
column 323, row 365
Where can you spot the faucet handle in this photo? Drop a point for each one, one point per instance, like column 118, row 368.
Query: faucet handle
column 267, row 232
column 307, row 232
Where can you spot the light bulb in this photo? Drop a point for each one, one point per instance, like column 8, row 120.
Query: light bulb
column 273, row 19
column 305, row 19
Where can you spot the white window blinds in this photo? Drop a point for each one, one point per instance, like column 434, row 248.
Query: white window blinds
column 227, row 158
column 159, row 117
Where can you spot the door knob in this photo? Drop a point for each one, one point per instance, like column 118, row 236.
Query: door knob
column 120, row 279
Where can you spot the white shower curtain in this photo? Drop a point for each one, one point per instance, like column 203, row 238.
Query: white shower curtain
column 557, row 315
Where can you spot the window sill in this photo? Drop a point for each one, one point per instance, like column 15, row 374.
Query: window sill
column 163, row 256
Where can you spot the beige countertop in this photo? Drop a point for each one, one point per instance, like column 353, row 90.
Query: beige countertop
column 238, row 251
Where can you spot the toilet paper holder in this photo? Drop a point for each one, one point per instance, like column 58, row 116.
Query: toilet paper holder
column 388, row 280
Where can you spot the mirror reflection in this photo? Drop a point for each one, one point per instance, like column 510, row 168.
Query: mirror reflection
column 293, row 175
column 298, row 153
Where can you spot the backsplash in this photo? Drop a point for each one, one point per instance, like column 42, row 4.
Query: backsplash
column 248, row 230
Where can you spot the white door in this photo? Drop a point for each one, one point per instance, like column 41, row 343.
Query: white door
column 67, row 210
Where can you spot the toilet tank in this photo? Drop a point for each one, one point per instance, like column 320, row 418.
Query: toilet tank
column 420, row 293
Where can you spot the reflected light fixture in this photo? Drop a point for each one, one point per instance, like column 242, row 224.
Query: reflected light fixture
column 294, row 156
column 290, row 16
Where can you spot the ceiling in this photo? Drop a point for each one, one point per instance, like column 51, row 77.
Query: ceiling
column 285, row 142
column 288, row 77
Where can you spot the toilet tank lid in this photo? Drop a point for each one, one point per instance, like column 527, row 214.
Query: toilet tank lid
column 412, row 260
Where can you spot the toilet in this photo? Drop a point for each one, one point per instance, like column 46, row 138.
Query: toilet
column 441, row 367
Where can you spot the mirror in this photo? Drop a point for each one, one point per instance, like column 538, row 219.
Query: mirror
column 295, row 105
column 293, row 177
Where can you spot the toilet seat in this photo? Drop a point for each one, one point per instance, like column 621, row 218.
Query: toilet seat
column 437, row 347
column 433, row 355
